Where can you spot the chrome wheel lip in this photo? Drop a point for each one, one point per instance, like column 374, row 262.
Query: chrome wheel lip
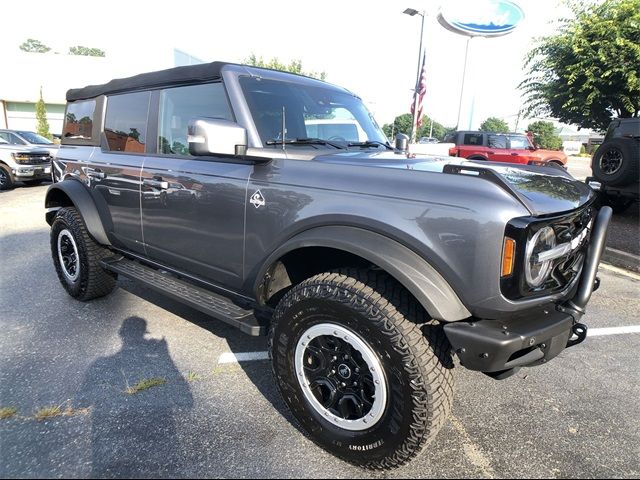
column 62, row 237
column 380, row 384
column 611, row 161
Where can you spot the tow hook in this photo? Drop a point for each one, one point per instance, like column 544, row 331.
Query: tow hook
column 580, row 332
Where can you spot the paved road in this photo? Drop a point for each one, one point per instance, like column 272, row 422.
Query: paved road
column 575, row 417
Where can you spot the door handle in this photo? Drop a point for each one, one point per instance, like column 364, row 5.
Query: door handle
column 514, row 154
column 156, row 184
column 97, row 173
column 491, row 153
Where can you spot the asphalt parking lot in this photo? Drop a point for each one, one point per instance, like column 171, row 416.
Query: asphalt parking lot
column 575, row 417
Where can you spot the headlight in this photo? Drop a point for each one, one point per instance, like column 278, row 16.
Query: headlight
column 536, row 272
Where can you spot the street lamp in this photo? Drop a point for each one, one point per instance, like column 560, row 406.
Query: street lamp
column 414, row 126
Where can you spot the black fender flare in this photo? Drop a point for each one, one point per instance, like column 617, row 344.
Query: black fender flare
column 419, row 277
column 82, row 200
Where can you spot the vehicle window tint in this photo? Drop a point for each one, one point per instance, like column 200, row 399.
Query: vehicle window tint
column 10, row 138
column 473, row 139
column 180, row 105
column 519, row 143
column 629, row 129
column 78, row 122
column 125, row 125
column 497, row 141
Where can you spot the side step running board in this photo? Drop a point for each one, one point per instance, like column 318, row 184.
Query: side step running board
column 196, row 297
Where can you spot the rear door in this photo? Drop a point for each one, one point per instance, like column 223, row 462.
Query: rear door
column 114, row 168
column 497, row 148
column 472, row 145
column 193, row 208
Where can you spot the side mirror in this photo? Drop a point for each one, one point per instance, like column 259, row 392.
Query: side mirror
column 215, row 136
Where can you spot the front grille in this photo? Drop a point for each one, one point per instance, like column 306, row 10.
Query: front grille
column 35, row 159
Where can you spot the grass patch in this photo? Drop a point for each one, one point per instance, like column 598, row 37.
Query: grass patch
column 58, row 411
column 145, row 384
column 192, row 377
column 7, row 412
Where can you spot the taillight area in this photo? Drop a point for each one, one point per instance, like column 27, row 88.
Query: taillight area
column 453, row 152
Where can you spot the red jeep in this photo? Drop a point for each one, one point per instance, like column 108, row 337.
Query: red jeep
column 501, row 147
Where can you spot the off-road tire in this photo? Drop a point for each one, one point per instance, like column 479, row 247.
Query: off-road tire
column 629, row 152
column 93, row 281
column 7, row 178
column 414, row 353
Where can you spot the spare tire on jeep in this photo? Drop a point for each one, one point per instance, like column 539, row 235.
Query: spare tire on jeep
column 617, row 162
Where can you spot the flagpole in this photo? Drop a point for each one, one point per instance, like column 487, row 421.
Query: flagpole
column 414, row 125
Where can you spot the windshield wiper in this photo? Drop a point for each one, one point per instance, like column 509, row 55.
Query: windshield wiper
column 305, row 141
column 370, row 143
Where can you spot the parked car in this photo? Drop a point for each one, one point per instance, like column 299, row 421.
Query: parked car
column 30, row 139
column 22, row 163
column 428, row 140
column 616, row 164
column 501, row 147
column 368, row 267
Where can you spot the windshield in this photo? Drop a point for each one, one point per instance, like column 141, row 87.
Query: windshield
column 33, row 137
column 310, row 113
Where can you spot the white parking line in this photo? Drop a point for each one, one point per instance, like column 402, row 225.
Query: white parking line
column 620, row 271
column 597, row 332
column 257, row 356
column 242, row 357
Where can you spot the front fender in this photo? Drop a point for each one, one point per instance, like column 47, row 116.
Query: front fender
column 431, row 290
column 73, row 192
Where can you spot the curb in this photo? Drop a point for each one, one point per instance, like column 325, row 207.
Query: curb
column 621, row 259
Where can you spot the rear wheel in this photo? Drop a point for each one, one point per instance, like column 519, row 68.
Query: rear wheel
column 6, row 179
column 77, row 256
column 477, row 157
column 357, row 371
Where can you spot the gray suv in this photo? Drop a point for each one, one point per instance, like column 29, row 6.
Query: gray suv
column 369, row 269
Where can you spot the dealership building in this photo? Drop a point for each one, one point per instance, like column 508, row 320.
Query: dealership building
column 56, row 73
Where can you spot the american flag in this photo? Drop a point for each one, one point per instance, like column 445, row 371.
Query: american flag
column 422, row 90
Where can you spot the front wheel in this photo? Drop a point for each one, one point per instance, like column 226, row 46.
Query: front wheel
column 357, row 371
column 6, row 179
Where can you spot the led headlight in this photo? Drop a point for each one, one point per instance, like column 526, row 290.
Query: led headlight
column 536, row 271
column 21, row 157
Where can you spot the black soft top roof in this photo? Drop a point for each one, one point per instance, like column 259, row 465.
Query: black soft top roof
column 172, row 76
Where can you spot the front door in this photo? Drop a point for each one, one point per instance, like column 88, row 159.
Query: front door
column 193, row 208
column 497, row 148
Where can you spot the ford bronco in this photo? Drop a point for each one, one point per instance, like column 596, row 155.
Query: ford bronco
column 369, row 269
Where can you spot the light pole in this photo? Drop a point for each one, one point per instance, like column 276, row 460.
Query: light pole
column 414, row 125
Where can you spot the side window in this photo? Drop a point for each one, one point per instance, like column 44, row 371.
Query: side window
column 78, row 121
column 125, row 125
column 5, row 136
column 181, row 104
column 519, row 143
column 497, row 141
column 473, row 139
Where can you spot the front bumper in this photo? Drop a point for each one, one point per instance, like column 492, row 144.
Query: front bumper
column 32, row 172
column 531, row 338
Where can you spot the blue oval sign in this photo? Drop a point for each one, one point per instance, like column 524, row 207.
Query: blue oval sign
column 481, row 18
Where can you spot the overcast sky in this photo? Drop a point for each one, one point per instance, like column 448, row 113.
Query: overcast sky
column 367, row 46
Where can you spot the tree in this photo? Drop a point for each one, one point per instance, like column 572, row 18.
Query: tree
column 402, row 124
column 33, row 45
column 295, row 66
column 544, row 135
column 41, row 118
column 589, row 72
column 495, row 125
column 86, row 51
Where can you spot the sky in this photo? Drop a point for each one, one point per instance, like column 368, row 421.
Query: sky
column 369, row 47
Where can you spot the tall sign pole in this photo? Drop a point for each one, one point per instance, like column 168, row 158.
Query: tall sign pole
column 414, row 125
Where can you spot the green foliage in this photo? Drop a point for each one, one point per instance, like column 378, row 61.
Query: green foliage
column 544, row 135
column 495, row 125
column 294, row 66
column 402, row 124
column 7, row 412
column 41, row 118
column 145, row 384
column 589, row 72
column 33, row 45
column 86, row 51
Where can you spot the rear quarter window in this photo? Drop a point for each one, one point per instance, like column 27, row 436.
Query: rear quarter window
column 125, row 125
column 78, row 122
column 473, row 139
